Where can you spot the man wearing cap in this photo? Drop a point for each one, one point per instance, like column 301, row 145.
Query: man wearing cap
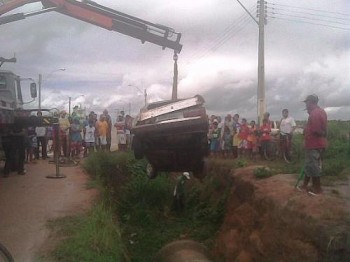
column 315, row 142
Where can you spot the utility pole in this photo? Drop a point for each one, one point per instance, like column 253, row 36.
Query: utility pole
column 39, row 90
column 145, row 94
column 261, row 105
column 174, row 93
column 261, row 64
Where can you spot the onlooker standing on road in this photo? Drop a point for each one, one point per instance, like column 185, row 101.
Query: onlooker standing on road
column 253, row 140
column 265, row 135
column 42, row 140
column 89, row 137
column 75, row 138
column 128, row 127
column 235, row 141
column 121, row 137
column 31, row 144
column 214, row 137
column 64, row 131
column 102, row 129
column 315, row 143
column 109, row 130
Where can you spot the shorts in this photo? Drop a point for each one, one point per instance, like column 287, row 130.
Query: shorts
column 214, row 145
column 103, row 140
column 313, row 162
column 89, row 144
column 243, row 144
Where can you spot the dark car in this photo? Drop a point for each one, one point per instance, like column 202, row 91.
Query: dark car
column 172, row 135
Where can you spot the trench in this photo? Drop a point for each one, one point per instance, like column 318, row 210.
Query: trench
column 231, row 215
column 267, row 220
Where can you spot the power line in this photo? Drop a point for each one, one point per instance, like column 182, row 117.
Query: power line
column 305, row 8
column 306, row 22
column 228, row 33
column 304, row 17
column 307, row 13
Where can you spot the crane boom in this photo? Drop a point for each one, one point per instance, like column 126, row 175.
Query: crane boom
column 107, row 18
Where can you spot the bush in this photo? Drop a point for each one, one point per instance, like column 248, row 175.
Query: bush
column 262, row 172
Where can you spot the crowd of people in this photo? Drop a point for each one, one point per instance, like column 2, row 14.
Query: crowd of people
column 230, row 138
column 234, row 137
column 77, row 136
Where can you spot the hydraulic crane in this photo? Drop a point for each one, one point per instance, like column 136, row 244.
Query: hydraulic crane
column 166, row 37
column 93, row 13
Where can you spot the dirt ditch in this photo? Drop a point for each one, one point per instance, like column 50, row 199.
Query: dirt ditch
column 268, row 220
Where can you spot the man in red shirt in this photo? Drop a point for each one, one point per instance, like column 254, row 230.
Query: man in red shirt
column 315, row 142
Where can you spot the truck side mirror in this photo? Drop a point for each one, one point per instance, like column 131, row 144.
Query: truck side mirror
column 33, row 92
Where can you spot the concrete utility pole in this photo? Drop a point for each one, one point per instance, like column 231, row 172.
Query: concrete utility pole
column 261, row 105
column 174, row 93
column 261, row 64
column 39, row 90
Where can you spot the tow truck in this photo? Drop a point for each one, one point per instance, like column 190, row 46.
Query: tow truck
column 166, row 37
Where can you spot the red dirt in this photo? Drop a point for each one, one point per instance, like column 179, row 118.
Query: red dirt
column 28, row 202
column 269, row 220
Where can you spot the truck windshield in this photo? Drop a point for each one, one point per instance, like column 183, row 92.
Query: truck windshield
column 2, row 82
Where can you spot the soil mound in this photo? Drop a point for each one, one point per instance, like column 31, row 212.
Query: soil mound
column 269, row 220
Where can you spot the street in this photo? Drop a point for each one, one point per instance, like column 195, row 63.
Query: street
column 29, row 201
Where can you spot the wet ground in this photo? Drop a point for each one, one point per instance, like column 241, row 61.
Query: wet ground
column 28, row 202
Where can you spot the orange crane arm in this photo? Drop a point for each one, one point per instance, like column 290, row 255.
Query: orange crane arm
column 101, row 16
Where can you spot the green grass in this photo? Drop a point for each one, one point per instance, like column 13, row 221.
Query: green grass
column 262, row 172
column 149, row 221
column 94, row 236
column 136, row 218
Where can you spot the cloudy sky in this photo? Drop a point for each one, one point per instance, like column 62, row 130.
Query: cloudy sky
column 307, row 50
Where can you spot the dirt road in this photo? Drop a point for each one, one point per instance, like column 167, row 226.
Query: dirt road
column 28, row 201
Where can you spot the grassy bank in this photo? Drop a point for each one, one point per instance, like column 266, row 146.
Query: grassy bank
column 135, row 216
column 147, row 218
column 94, row 236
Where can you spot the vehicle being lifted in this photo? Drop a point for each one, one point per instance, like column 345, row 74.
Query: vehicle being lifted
column 172, row 135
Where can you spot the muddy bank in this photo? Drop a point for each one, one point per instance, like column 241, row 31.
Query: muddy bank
column 268, row 220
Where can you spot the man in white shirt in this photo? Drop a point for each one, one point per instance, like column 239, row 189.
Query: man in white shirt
column 287, row 124
column 287, row 127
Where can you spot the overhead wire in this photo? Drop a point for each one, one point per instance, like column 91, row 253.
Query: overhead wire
column 305, row 22
column 309, row 18
column 306, row 17
column 307, row 13
column 230, row 31
column 312, row 9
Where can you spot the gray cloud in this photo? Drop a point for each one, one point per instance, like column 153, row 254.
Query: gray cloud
column 218, row 60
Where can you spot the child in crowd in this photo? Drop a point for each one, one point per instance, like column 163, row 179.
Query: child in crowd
column 227, row 141
column 252, row 140
column 265, row 137
column 214, row 137
column 89, row 137
column 31, row 144
column 243, row 135
column 75, row 136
